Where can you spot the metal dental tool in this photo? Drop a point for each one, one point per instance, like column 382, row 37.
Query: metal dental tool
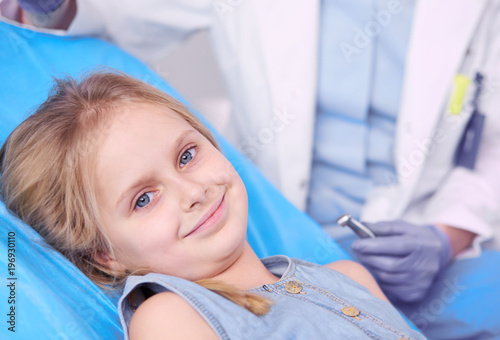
column 356, row 226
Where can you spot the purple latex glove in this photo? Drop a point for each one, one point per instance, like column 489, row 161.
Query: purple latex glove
column 40, row 6
column 404, row 258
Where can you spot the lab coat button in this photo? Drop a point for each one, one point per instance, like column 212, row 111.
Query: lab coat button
column 350, row 311
column 293, row 287
column 303, row 184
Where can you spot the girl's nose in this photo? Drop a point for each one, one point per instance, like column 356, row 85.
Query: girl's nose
column 193, row 194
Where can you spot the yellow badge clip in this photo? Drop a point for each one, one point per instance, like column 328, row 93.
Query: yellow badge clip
column 460, row 84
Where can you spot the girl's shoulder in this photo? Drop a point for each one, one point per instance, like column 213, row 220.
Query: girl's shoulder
column 348, row 267
column 166, row 313
column 359, row 274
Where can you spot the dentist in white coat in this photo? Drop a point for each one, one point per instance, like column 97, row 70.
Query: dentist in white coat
column 439, row 199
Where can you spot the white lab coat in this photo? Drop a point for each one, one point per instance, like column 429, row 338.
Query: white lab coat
column 267, row 51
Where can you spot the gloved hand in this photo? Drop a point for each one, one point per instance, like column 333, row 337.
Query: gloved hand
column 404, row 258
column 40, row 6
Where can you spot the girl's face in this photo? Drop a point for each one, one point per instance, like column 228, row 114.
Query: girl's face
column 171, row 203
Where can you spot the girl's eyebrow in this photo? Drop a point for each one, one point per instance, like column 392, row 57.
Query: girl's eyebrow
column 139, row 182
column 134, row 187
column 183, row 136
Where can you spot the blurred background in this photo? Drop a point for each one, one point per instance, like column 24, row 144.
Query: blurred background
column 192, row 69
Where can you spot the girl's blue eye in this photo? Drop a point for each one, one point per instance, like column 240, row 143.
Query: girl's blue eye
column 144, row 200
column 187, row 156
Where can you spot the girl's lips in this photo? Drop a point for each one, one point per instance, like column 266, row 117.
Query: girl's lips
column 210, row 218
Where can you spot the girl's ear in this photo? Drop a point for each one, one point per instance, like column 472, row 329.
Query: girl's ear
column 107, row 261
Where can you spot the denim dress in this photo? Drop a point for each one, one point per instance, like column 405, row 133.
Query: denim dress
column 309, row 302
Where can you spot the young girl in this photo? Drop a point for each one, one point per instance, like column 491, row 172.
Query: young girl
column 126, row 183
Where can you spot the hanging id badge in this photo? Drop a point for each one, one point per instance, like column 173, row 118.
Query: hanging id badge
column 468, row 148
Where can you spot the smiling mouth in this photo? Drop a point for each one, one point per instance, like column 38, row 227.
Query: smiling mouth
column 211, row 217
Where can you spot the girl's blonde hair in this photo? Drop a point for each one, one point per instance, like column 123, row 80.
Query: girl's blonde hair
column 45, row 169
